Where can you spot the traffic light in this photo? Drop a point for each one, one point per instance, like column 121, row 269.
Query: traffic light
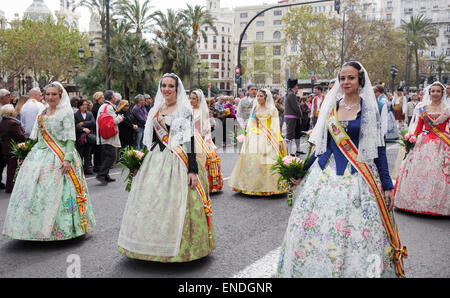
column 313, row 80
column 337, row 5
column 237, row 76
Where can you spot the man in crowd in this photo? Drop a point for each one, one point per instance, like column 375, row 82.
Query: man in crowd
column 292, row 118
column 148, row 102
column 410, row 106
column 447, row 90
column 108, row 146
column 399, row 106
column 316, row 104
column 140, row 113
column 245, row 106
column 30, row 110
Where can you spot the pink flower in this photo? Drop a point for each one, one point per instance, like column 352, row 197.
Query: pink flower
column 412, row 139
column 59, row 234
column 341, row 227
column 300, row 253
column 139, row 154
column 22, row 146
column 287, row 160
column 309, row 132
column 365, row 233
column 407, row 136
column 310, row 220
column 240, row 138
column 337, row 264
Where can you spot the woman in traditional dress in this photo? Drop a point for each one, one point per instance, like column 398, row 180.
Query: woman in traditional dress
column 337, row 224
column 50, row 199
column 392, row 129
column 168, row 216
column 252, row 174
column 423, row 184
column 204, row 145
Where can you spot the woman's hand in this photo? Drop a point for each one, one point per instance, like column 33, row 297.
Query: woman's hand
column 86, row 130
column 389, row 197
column 192, row 180
column 65, row 167
column 296, row 182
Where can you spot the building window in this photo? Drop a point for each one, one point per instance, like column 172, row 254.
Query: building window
column 276, row 79
column 277, row 22
column 277, row 35
column 259, row 35
column 244, row 15
column 389, row 5
column 243, row 24
column 277, row 50
column 215, row 56
column 260, row 51
column 204, row 56
column 215, row 65
column 260, row 23
column 260, row 79
column 244, row 37
column 433, row 53
column 214, row 39
column 276, row 65
column 389, row 17
column 447, row 52
column 261, row 15
column 216, row 75
column 223, row 29
column 277, row 13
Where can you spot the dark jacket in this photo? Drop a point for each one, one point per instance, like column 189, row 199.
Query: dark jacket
column 10, row 129
column 126, row 132
column 95, row 108
column 89, row 123
column 292, row 106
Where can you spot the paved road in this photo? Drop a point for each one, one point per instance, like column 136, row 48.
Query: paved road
column 248, row 231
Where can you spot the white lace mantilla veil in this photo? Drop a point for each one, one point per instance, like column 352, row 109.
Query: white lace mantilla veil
column 205, row 124
column 270, row 104
column 370, row 136
column 181, row 127
column 426, row 100
column 62, row 109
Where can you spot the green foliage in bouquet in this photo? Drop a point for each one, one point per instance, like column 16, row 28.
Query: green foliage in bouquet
column 132, row 160
column 20, row 151
column 407, row 140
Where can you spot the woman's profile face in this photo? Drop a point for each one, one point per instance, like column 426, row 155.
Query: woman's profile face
column 52, row 96
column 349, row 81
column 168, row 88
column 194, row 100
column 436, row 93
column 261, row 98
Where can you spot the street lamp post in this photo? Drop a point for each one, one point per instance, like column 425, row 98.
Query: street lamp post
column 209, row 86
column 199, row 63
column 75, row 78
column 394, row 72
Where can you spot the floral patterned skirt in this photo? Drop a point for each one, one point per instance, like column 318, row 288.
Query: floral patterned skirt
column 335, row 229
column 423, row 184
column 43, row 204
column 156, row 184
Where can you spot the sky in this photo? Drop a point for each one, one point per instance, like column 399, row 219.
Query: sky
column 19, row 6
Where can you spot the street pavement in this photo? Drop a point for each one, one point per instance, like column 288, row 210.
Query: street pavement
column 249, row 231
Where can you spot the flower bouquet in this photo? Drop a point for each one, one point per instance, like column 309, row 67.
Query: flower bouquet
column 20, row 151
column 131, row 159
column 237, row 136
column 290, row 167
column 407, row 140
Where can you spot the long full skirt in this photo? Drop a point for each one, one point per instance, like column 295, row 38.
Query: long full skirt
column 335, row 229
column 164, row 220
column 423, row 184
column 252, row 173
column 43, row 204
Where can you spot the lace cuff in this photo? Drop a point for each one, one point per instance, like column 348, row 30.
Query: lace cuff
column 69, row 151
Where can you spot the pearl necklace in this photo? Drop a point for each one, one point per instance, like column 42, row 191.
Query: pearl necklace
column 347, row 107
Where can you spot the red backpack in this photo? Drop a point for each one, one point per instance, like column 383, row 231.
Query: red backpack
column 106, row 127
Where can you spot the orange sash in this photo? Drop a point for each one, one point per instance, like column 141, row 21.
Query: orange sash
column 79, row 187
column 350, row 151
column 270, row 137
column 163, row 135
column 212, row 159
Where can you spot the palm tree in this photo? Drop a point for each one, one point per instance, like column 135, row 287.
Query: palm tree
column 421, row 33
column 197, row 18
column 99, row 7
column 171, row 36
column 138, row 16
column 441, row 65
